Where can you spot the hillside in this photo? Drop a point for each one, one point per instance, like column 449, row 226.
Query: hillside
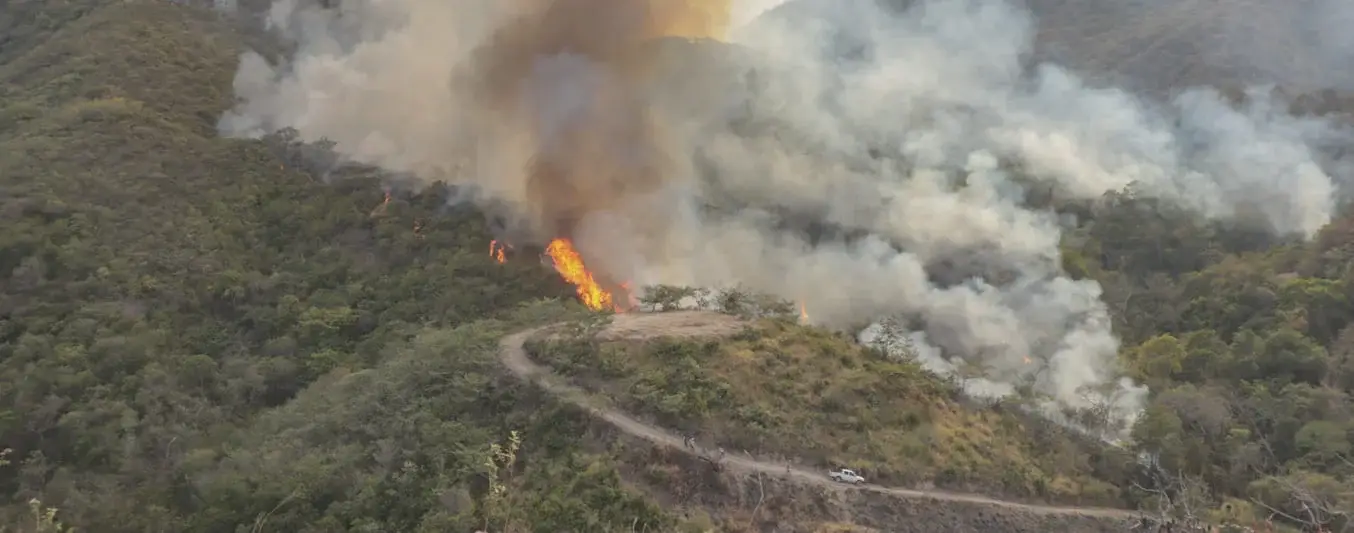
column 167, row 293
column 821, row 400
column 1161, row 45
column 768, row 491
column 202, row 334
column 1164, row 45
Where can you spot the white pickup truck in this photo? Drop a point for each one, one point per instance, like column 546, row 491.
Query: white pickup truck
column 846, row 476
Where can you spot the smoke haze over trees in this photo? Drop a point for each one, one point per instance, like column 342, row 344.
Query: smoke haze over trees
column 198, row 330
column 922, row 130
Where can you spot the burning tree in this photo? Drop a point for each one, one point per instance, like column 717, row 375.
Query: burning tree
column 498, row 251
column 594, row 293
column 569, row 264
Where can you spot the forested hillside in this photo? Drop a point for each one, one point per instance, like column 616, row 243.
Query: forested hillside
column 217, row 335
column 1246, row 344
column 1245, row 340
column 818, row 399
column 163, row 287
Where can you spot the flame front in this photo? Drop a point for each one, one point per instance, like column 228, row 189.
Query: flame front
column 381, row 209
column 803, row 313
column 570, row 266
column 496, row 251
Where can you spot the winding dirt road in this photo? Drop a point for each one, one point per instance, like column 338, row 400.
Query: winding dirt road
column 514, row 357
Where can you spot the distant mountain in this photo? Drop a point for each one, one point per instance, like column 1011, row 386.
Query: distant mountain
column 1304, row 45
column 1160, row 45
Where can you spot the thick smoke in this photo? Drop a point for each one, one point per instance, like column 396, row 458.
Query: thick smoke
column 672, row 161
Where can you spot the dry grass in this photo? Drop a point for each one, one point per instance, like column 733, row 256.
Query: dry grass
column 780, row 390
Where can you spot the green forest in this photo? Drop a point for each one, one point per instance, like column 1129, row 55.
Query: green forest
column 196, row 334
column 201, row 334
column 1247, row 346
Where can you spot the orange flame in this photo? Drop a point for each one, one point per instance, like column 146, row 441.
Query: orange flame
column 496, row 251
column 630, row 300
column 381, row 209
column 570, row 266
column 1027, row 360
column 803, row 313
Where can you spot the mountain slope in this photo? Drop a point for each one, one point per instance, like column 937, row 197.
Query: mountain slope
column 206, row 334
column 1165, row 45
column 1161, row 45
column 707, row 327
column 159, row 284
column 781, row 390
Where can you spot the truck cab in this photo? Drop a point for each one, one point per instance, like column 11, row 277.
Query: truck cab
column 846, row 475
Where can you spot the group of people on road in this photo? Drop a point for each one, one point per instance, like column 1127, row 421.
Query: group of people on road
column 689, row 441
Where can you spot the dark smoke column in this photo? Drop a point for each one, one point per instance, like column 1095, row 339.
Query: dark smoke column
column 563, row 87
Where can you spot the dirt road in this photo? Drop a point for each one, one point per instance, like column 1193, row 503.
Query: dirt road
column 515, row 358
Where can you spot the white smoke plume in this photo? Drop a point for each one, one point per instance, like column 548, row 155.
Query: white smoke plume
column 691, row 163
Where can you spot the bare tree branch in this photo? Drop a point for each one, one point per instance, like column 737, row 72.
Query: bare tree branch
column 761, row 497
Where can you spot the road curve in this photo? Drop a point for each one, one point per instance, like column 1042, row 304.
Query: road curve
column 514, row 356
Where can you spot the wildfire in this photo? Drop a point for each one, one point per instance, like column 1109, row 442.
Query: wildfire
column 803, row 313
column 1027, row 360
column 570, row 266
column 381, row 209
column 496, row 251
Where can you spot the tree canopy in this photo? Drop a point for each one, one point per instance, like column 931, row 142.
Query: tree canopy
column 207, row 334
